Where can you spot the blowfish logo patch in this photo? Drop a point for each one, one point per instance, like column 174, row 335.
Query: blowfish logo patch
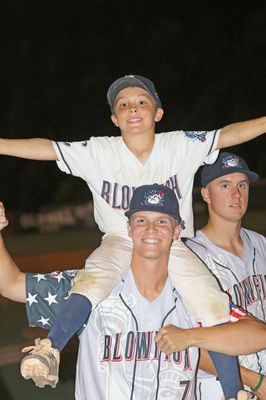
column 153, row 198
column 194, row 135
column 232, row 162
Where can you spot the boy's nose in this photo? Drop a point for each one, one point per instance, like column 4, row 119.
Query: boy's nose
column 133, row 109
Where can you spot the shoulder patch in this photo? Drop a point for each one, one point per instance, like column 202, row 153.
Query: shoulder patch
column 196, row 135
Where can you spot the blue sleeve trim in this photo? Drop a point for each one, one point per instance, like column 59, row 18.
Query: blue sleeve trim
column 213, row 140
column 63, row 158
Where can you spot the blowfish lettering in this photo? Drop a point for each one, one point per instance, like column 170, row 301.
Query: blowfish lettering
column 139, row 346
column 119, row 196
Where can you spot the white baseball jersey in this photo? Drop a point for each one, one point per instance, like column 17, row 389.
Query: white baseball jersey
column 112, row 171
column 118, row 358
column 244, row 280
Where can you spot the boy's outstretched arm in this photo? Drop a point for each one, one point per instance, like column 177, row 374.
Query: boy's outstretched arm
column 241, row 132
column 12, row 281
column 32, row 149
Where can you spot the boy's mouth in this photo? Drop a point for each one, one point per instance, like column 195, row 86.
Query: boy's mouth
column 134, row 120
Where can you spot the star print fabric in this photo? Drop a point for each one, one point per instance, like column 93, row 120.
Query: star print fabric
column 44, row 295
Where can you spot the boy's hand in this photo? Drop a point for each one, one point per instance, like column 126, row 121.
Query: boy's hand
column 3, row 220
column 171, row 338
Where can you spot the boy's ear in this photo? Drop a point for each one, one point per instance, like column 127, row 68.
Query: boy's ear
column 114, row 120
column 159, row 114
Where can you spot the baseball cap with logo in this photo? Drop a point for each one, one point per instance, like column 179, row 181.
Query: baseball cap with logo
column 157, row 198
column 226, row 163
column 132, row 81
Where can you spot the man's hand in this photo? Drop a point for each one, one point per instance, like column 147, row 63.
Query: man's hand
column 3, row 220
column 170, row 339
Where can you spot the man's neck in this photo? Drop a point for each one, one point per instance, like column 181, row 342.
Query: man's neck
column 225, row 234
column 150, row 276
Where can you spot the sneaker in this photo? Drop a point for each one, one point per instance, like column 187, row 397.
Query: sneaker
column 42, row 364
column 243, row 395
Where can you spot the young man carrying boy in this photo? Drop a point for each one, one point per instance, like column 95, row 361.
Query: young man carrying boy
column 119, row 355
column 113, row 167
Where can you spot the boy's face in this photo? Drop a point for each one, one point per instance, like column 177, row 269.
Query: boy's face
column 227, row 196
column 135, row 111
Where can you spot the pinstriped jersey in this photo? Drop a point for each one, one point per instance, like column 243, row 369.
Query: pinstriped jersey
column 118, row 358
column 244, row 279
column 112, row 171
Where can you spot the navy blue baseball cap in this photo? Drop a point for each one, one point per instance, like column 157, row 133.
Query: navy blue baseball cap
column 226, row 163
column 157, row 198
column 132, row 81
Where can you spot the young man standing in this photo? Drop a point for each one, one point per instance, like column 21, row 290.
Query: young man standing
column 235, row 255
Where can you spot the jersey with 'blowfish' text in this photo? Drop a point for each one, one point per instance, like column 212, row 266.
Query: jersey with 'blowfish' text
column 118, row 358
column 112, row 171
column 244, row 279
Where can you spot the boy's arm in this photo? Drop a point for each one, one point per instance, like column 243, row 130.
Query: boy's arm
column 249, row 378
column 231, row 338
column 32, row 149
column 241, row 132
column 12, row 280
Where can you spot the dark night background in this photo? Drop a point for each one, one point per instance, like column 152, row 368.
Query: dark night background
column 207, row 59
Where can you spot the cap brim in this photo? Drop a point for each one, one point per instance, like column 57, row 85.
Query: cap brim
column 133, row 82
column 252, row 176
column 129, row 213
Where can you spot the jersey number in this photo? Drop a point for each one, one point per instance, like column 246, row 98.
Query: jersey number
column 187, row 385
